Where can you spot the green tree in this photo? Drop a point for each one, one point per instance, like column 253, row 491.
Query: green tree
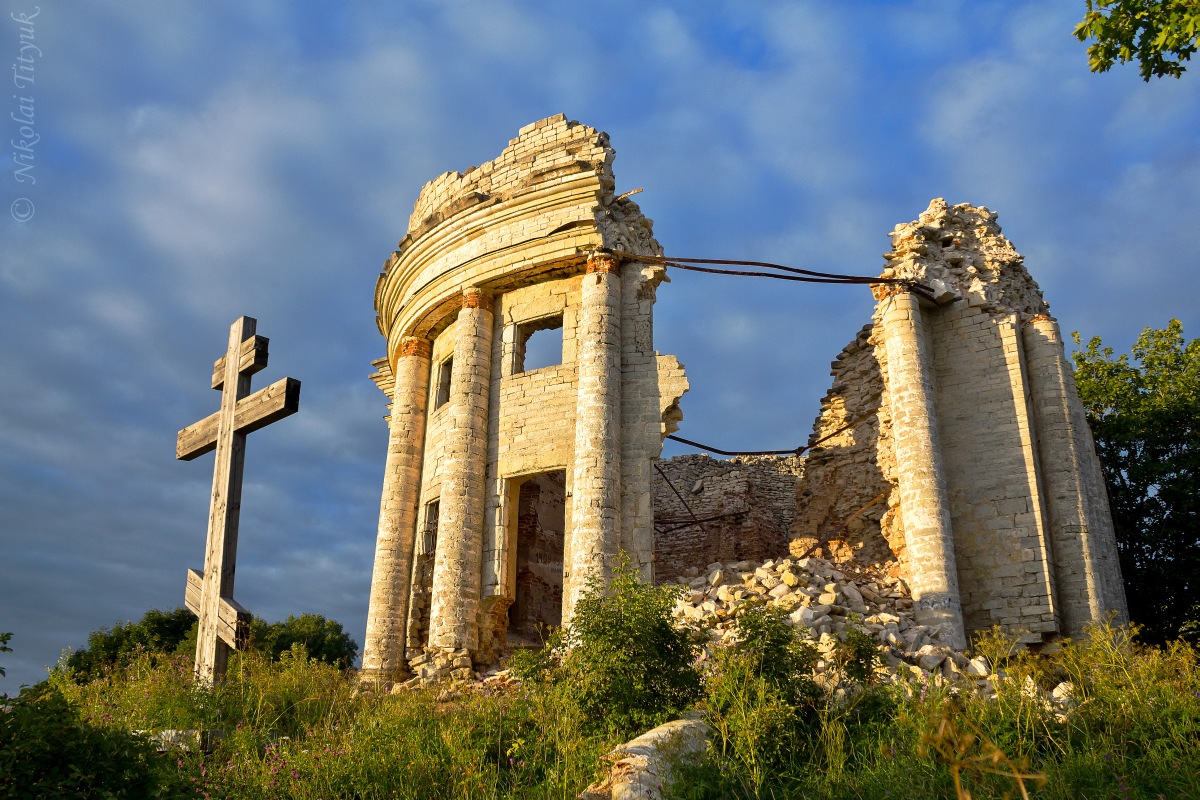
column 323, row 638
column 1160, row 34
column 165, row 632
column 1145, row 415
column 108, row 648
column 4, row 648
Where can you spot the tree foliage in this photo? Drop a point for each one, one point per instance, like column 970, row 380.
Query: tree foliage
column 1159, row 34
column 323, row 638
column 110, row 648
column 46, row 750
column 4, row 648
column 627, row 666
column 1145, row 416
column 165, row 632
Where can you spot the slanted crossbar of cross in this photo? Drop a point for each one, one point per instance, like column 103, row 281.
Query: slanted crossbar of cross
column 225, row 625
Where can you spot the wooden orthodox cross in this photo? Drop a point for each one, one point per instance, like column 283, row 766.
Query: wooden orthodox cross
column 224, row 624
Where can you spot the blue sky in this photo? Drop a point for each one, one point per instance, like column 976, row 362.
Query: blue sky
column 195, row 163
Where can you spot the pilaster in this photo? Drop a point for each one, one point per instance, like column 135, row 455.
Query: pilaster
column 1081, row 533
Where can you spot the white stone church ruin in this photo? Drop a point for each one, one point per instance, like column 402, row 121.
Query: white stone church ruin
column 528, row 410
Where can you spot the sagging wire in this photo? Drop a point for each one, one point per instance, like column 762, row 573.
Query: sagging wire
column 676, row 524
column 695, row 521
column 793, row 273
column 793, row 452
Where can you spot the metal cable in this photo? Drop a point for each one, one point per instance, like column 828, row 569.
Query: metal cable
column 793, row 452
column 796, row 274
column 677, row 494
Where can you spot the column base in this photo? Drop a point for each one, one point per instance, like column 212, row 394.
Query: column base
column 443, row 664
column 380, row 679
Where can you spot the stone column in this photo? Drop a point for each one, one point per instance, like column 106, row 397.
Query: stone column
column 641, row 415
column 458, row 563
column 595, row 533
column 1081, row 532
column 387, row 615
column 924, row 501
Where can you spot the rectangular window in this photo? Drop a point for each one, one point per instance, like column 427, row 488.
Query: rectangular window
column 428, row 543
column 443, row 383
column 539, row 344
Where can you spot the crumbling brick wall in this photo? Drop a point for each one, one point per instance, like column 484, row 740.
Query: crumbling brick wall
column 707, row 510
column 845, row 510
column 1034, row 559
column 953, row 413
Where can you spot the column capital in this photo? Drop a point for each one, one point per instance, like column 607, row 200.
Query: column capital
column 896, row 292
column 415, row 346
column 1042, row 321
column 602, row 260
column 474, row 297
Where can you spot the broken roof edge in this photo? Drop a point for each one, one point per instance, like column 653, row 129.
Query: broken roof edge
column 542, row 152
column 963, row 247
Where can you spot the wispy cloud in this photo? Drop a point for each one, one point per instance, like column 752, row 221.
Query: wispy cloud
column 216, row 160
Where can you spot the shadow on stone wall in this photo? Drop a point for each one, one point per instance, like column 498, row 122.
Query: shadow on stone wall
column 844, row 498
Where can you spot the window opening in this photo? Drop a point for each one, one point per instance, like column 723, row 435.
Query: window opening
column 422, row 591
column 539, row 344
column 443, row 383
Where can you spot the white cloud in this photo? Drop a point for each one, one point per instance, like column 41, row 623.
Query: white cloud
column 229, row 159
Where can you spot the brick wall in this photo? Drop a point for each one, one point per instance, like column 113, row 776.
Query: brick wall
column 752, row 499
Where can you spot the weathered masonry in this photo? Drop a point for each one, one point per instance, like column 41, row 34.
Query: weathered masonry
column 528, row 407
column 953, row 449
column 995, row 504
column 528, row 403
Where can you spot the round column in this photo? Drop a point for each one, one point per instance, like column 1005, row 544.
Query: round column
column 453, row 619
column 924, row 501
column 383, row 649
column 595, row 533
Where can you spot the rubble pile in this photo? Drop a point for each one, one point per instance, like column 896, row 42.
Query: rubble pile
column 822, row 603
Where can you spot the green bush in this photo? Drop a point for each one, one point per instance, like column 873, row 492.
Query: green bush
column 857, row 655
column 323, row 639
column 157, row 632
column 774, row 653
column 761, row 699
column 628, row 667
column 47, row 751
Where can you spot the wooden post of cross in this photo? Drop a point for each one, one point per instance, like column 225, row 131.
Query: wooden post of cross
column 224, row 624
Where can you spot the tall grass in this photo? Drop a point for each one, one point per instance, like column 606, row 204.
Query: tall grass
column 1129, row 729
column 300, row 729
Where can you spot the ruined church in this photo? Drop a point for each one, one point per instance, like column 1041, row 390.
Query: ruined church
column 528, row 408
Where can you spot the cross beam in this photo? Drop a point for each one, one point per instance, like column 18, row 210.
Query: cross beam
column 225, row 625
